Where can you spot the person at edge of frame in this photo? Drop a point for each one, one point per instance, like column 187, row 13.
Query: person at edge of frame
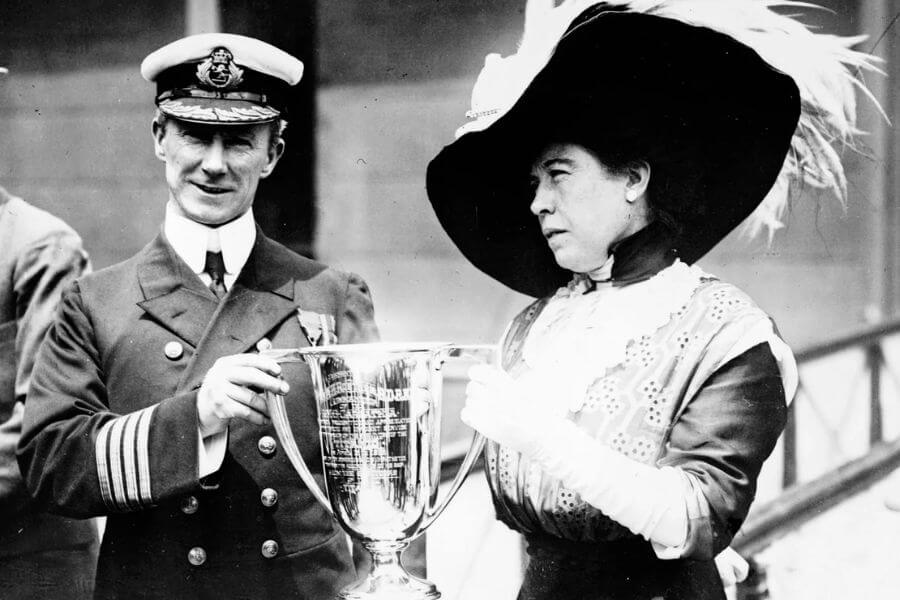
column 41, row 555
column 147, row 401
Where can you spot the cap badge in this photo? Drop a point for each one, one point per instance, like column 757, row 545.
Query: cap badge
column 219, row 70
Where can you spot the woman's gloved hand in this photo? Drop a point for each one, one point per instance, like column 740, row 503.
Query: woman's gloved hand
column 499, row 408
column 732, row 567
column 647, row 500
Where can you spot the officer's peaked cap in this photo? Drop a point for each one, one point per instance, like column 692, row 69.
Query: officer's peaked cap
column 222, row 78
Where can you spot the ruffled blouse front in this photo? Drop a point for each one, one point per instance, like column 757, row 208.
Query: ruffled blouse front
column 582, row 333
column 622, row 363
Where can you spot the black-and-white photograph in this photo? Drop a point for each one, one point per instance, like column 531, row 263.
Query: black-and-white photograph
column 458, row 299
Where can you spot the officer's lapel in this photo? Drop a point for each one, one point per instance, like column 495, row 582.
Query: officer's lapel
column 260, row 299
column 173, row 294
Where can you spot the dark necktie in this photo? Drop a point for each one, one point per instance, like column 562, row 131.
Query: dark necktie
column 215, row 268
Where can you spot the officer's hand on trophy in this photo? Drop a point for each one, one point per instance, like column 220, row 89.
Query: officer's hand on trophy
column 234, row 388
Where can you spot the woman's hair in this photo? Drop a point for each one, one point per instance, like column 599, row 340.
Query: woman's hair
column 677, row 175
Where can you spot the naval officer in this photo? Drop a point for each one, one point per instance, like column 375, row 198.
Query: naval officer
column 146, row 401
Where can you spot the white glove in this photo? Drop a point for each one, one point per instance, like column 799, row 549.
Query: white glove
column 732, row 567
column 647, row 500
column 497, row 407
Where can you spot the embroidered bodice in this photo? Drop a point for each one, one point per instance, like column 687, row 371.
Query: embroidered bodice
column 620, row 362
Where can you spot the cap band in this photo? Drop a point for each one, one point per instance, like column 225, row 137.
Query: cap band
column 195, row 93
column 236, row 113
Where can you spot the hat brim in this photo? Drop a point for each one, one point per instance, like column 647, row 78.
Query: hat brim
column 615, row 74
column 218, row 111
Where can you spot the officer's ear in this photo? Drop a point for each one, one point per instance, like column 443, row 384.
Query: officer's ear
column 158, row 127
column 276, row 151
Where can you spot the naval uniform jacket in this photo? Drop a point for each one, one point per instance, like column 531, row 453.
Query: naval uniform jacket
column 112, row 429
column 39, row 256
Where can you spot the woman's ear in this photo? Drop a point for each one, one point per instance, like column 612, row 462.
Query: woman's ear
column 638, row 173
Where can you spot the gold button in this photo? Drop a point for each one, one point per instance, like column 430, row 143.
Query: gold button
column 267, row 445
column 197, row 556
column 268, row 497
column 264, row 344
column 173, row 350
column 269, row 548
column 190, row 505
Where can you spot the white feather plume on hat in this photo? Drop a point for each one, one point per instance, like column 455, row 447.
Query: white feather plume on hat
column 824, row 67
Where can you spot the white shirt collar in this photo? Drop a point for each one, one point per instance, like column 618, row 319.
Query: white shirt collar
column 191, row 240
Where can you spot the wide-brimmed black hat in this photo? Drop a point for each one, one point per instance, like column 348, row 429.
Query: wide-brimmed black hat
column 722, row 112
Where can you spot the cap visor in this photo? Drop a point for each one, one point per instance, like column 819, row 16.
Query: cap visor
column 223, row 112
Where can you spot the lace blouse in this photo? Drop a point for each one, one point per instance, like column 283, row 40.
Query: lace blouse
column 624, row 364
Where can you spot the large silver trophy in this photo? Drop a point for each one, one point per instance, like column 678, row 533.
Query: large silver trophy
column 379, row 409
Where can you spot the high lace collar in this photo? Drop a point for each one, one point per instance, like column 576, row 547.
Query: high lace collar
column 636, row 258
column 643, row 254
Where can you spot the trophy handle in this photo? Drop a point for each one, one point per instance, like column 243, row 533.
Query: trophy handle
column 278, row 414
column 487, row 353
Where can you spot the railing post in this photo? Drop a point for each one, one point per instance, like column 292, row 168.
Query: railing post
column 789, row 447
column 755, row 586
column 875, row 359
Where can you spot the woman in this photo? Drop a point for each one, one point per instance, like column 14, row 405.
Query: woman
column 639, row 395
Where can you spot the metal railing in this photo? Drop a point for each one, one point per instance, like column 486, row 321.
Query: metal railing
column 869, row 340
column 800, row 503
column 803, row 502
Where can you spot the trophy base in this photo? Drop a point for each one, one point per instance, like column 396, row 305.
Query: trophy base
column 388, row 580
column 408, row 588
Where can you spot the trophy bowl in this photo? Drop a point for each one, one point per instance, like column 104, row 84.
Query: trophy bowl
column 379, row 412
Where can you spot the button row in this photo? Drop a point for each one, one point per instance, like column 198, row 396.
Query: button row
column 268, row 498
column 175, row 350
column 197, row 555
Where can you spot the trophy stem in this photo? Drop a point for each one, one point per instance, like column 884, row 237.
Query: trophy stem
column 388, row 579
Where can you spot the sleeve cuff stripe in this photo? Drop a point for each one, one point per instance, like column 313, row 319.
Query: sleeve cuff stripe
column 143, row 456
column 115, row 463
column 132, row 498
column 123, row 462
column 100, row 450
